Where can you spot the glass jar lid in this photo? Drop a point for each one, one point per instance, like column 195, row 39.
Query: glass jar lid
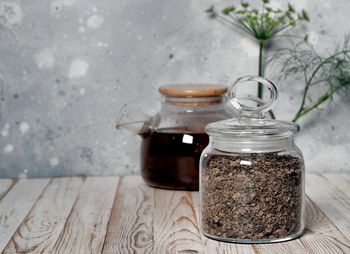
column 251, row 123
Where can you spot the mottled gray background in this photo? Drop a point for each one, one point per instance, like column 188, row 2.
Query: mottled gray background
column 68, row 66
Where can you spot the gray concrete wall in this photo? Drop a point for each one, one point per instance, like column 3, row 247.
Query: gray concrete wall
column 68, row 66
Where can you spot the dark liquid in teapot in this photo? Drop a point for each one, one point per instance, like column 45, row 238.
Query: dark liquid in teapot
column 170, row 158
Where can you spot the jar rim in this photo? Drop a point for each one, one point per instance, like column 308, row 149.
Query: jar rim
column 251, row 128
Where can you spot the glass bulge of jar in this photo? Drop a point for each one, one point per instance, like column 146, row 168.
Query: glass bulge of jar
column 252, row 176
column 171, row 149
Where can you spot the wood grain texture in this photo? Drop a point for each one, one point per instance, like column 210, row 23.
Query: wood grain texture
column 175, row 223
column 16, row 205
column 322, row 236
column 293, row 247
column 211, row 246
column 130, row 228
column 86, row 226
column 340, row 180
column 331, row 198
column 5, row 186
column 123, row 215
column 41, row 228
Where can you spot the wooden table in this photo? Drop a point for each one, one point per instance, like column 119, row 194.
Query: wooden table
column 123, row 215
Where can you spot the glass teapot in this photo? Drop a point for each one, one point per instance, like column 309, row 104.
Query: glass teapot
column 173, row 139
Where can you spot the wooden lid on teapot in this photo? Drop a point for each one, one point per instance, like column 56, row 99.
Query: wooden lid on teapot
column 193, row 90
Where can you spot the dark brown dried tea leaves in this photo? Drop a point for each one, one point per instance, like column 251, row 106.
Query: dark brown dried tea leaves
column 252, row 196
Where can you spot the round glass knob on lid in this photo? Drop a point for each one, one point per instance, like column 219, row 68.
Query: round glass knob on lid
column 251, row 122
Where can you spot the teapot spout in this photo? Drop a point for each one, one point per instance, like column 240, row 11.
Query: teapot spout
column 138, row 127
column 136, row 121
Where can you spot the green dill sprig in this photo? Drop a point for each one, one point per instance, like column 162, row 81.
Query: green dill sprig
column 262, row 25
column 325, row 74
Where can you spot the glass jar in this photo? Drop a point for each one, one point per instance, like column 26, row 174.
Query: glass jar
column 252, row 176
column 175, row 137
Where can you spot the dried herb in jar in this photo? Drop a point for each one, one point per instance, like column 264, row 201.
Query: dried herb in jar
column 252, row 196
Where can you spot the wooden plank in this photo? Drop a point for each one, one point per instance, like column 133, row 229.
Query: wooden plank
column 332, row 200
column 322, row 236
column 16, row 205
column 130, row 228
column 43, row 225
column 86, row 226
column 5, row 186
column 175, row 224
column 294, row 247
column 340, row 180
column 211, row 246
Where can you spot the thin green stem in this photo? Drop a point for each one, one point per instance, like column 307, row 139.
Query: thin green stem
column 319, row 101
column 283, row 28
column 320, row 81
column 315, row 105
column 242, row 28
column 309, row 82
column 324, row 62
column 301, row 109
column 261, row 68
